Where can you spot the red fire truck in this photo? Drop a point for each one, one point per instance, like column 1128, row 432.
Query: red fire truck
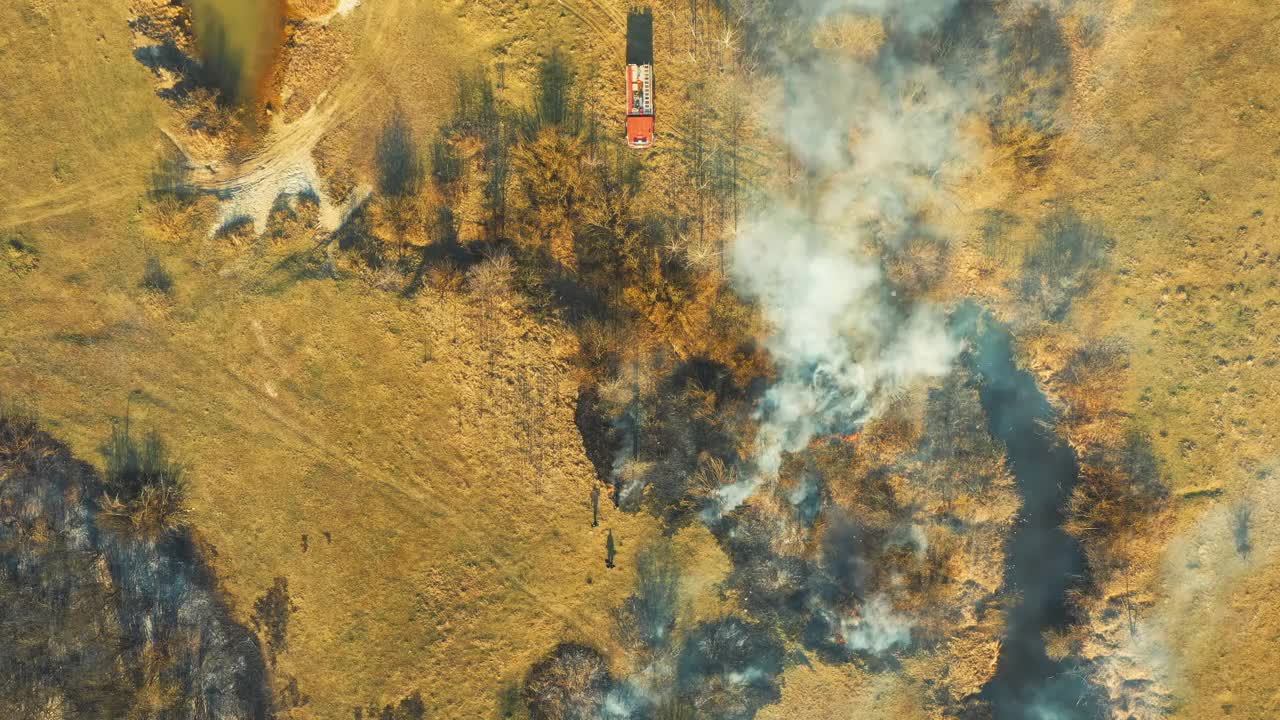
column 640, row 122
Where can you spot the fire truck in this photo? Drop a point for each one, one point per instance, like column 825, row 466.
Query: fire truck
column 640, row 117
column 640, row 122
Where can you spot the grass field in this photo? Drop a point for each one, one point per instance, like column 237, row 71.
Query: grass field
column 448, row 544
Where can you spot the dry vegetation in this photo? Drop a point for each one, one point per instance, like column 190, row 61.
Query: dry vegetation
column 392, row 434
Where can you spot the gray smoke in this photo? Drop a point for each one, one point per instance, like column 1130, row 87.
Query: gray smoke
column 877, row 141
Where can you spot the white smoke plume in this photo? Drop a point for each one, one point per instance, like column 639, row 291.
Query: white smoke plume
column 915, row 15
column 878, row 629
column 878, row 141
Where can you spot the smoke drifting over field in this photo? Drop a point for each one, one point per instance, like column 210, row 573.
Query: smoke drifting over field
column 876, row 141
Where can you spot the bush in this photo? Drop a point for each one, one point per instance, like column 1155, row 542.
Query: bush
column 1033, row 61
column 145, row 488
column 133, row 467
column 158, row 510
column 155, row 278
column 555, row 102
column 1067, row 246
column 1119, row 489
column 103, row 624
column 446, row 164
column 17, row 433
column 410, row 708
column 478, row 112
column 491, row 280
column 569, row 684
column 1061, row 264
column 170, row 178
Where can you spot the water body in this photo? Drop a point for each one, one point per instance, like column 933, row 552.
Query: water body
column 1044, row 562
column 239, row 42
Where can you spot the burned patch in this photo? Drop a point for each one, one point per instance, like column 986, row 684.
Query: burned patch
column 103, row 620
column 730, row 668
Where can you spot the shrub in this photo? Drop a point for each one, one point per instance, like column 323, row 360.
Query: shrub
column 155, row 278
column 569, row 684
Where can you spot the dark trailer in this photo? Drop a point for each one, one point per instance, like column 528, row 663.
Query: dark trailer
column 640, row 106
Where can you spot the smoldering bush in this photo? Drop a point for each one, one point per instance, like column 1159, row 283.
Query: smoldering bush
column 772, row 586
column 410, row 707
column 271, row 616
column 666, row 422
column 729, row 668
column 1241, row 525
column 846, row 572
